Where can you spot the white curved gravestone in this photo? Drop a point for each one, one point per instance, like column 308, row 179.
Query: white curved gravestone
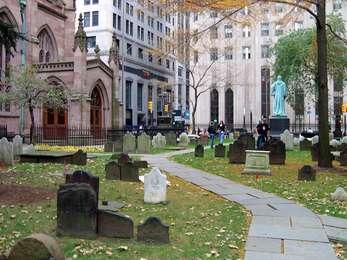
column 155, row 187
column 340, row 194
column 288, row 139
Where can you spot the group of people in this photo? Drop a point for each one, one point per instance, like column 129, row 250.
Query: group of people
column 216, row 130
column 262, row 130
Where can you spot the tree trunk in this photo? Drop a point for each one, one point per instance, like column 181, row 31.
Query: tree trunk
column 194, row 111
column 32, row 126
column 324, row 159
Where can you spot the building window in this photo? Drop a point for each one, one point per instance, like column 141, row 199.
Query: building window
column 95, row 20
column 160, row 62
column 278, row 29
column 214, row 32
column 129, row 27
column 167, row 64
column 140, row 53
column 229, row 108
column 298, row 25
column 150, row 93
column 228, row 53
column 128, row 93
column 265, row 29
column 213, row 14
column 180, row 71
column 150, row 57
column 46, row 47
column 140, row 16
column 114, row 21
column 86, row 2
column 91, row 42
column 228, row 31
column 139, row 96
column 129, row 49
column 246, row 31
column 196, row 17
column 179, row 94
column 150, row 38
column 86, row 20
column 245, row 11
column 337, row 5
column 265, row 92
column 265, row 51
column 95, row 2
column 129, row 9
column 214, row 105
column 213, row 54
column 279, row 8
column 196, row 56
column 119, row 24
column 246, row 52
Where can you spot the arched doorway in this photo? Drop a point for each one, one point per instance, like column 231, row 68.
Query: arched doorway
column 96, row 112
column 229, row 108
column 214, row 105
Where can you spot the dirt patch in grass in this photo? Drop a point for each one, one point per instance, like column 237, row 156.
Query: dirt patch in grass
column 20, row 194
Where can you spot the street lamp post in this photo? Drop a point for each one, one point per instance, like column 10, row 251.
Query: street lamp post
column 22, row 4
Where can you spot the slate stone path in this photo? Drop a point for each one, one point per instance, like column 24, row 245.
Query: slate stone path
column 280, row 228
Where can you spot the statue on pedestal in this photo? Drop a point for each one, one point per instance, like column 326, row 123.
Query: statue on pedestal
column 279, row 92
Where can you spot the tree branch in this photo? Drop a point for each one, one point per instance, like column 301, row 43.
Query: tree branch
column 335, row 34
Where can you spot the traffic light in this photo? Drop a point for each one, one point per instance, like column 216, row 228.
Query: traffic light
column 166, row 108
column 150, row 106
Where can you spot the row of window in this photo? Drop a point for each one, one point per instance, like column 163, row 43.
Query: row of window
column 94, row 21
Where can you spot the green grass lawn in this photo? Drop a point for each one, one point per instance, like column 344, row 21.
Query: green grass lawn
column 201, row 224
column 283, row 182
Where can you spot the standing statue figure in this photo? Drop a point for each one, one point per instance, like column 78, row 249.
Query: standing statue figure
column 279, row 92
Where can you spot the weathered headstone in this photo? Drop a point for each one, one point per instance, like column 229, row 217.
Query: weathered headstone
column 153, row 230
column 79, row 158
column 315, row 140
column 143, row 143
column 77, row 207
column 123, row 159
column 115, row 224
column 84, row 177
column 116, row 145
column 158, row 141
column 296, row 141
column 199, row 151
column 344, row 139
column 219, row 151
column 315, row 152
column 334, row 143
column 307, row 173
column 257, row 163
column 305, row 145
column 343, row 157
column 171, row 138
column 277, row 151
column 248, row 141
column 112, row 170
column 237, row 152
column 129, row 143
column 17, row 146
column 129, row 172
column 331, row 136
column 340, row 194
column 183, row 139
column 287, row 138
column 38, row 247
column 6, row 151
column 155, row 187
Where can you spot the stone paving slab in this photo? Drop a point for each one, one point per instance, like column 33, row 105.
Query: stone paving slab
column 338, row 234
column 255, row 255
column 306, row 222
column 308, row 249
column 333, row 221
column 261, row 244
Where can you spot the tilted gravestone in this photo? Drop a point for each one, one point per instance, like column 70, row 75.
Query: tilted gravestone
column 143, row 143
column 129, row 143
column 237, row 152
column 36, row 246
column 183, row 140
column 115, row 224
column 199, row 151
column 305, row 145
column 219, row 151
column 277, row 151
column 171, row 138
column 17, row 146
column 112, row 170
column 155, row 187
column 6, row 151
column 307, row 173
column 129, row 172
column 77, row 207
column 248, row 141
column 159, row 141
column 153, row 230
column 287, row 138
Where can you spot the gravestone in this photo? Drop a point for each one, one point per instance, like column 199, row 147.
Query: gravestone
column 84, row 177
column 123, row 159
column 315, row 140
column 315, row 152
column 343, row 158
column 248, row 141
column 331, row 136
column 115, row 145
column 296, row 141
column 339, row 195
column 257, row 163
column 219, row 151
column 77, row 207
column 288, row 139
column 79, row 158
column 155, row 187
column 277, row 151
column 141, row 164
column 38, row 247
column 305, row 145
column 17, row 146
column 158, row 141
column 344, row 139
column 203, row 140
column 129, row 143
column 183, row 140
column 307, row 173
column 112, row 170
column 6, row 151
column 237, row 152
column 334, row 143
column 153, row 230
column 171, row 138
column 29, row 148
column 199, row 151
column 144, row 143
column 231, row 137
column 129, row 172
column 115, row 224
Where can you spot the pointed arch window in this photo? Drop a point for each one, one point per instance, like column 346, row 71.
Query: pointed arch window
column 229, row 108
column 214, row 105
column 46, row 46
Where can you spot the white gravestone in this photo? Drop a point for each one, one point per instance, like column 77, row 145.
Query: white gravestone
column 334, row 143
column 6, row 151
column 288, row 139
column 296, row 141
column 155, row 187
column 340, row 195
column 17, row 146
column 159, row 141
column 183, row 139
column 29, row 148
column 344, row 140
column 315, row 140
column 257, row 163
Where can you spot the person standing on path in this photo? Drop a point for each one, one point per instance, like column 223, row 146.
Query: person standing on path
column 212, row 132
column 221, row 131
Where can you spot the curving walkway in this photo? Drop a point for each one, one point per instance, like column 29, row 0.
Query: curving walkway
column 280, row 228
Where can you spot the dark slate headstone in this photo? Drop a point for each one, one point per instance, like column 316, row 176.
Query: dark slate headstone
column 237, row 152
column 307, row 173
column 219, row 151
column 79, row 158
column 171, row 138
column 112, row 170
column 305, row 145
column 77, row 209
column 199, row 151
column 315, row 152
column 123, row 159
column 343, row 157
column 115, row 224
column 84, row 177
column 248, row 141
column 129, row 172
column 141, row 164
column 114, row 146
column 153, row 230
column 277, row 151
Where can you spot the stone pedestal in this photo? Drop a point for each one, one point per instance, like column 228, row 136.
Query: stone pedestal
column 278, row 125
column 257, row 163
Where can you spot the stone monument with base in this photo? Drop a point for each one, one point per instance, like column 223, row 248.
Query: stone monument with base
column 279, row 120
column 257, row 163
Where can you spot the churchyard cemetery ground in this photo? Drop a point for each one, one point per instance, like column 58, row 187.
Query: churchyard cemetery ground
column 201, row 224
column 283, row 182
